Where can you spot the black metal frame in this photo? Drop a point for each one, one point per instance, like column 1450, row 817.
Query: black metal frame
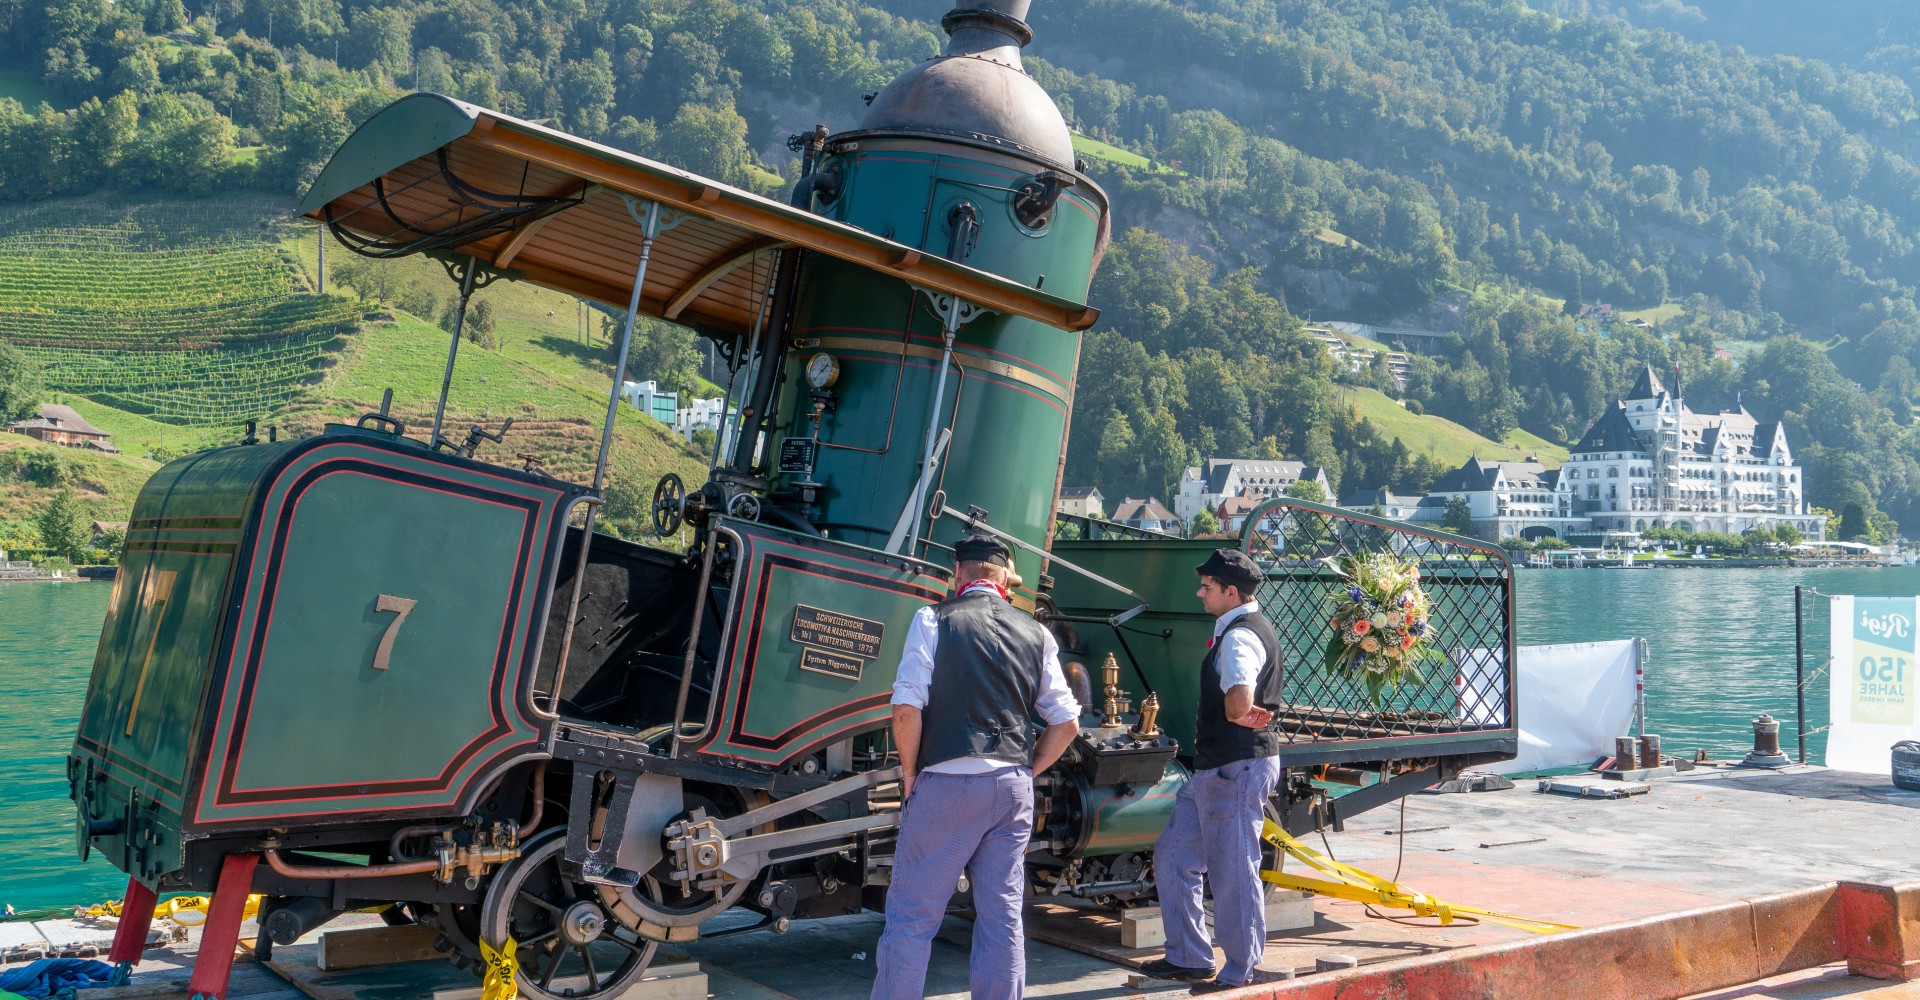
column 1466, row 706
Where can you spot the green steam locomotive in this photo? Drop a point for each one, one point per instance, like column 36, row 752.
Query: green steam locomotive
column 372, row 667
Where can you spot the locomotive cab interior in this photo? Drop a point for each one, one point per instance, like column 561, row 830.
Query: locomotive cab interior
column 630, row 636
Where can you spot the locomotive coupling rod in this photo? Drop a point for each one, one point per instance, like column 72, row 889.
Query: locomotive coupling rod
column 735, row 825
column 978, row 525
column 739, row 858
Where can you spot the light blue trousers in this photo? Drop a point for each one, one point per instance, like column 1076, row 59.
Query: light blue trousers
column 979, row 823
column 1214, row 832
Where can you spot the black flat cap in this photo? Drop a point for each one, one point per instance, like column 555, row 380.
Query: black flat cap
column 982, row 548
column 1231, row 567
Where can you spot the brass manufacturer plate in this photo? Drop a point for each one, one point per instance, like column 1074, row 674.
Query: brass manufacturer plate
column 820, row 661
column 832, row 631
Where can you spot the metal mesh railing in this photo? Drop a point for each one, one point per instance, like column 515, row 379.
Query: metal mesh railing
column 1463, row 657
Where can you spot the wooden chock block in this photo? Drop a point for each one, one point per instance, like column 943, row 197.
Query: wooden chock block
column 1289, row 910
column 359, row 947
column 1142, row 928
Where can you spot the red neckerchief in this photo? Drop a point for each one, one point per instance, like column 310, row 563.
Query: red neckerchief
column 987, row 582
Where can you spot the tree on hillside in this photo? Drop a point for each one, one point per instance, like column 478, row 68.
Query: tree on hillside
column 20, row 385
column 1205, row 522
column 708, row 140
column 62, row 523
column 1853, row 522
column 478, row 327
column 1458, row 516
column 1308, row 490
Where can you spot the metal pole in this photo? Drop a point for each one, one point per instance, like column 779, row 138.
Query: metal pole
column 720, row 441
column 1639, row 687
column 1800, row 672
column 453, row 350
column 950, row 324
column 649, row 228
column 320, row 239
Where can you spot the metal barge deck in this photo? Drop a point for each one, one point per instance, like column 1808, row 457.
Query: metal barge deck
column 1714, row 880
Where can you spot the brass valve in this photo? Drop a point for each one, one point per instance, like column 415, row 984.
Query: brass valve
column 494, row 846
column 1118, row 701
column 1149, row 714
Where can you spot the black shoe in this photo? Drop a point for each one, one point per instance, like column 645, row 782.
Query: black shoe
column 1160, row 968
column 1259, row 977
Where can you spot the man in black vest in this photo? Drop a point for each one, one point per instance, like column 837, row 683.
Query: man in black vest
column 974, row 670
column 1215, row 827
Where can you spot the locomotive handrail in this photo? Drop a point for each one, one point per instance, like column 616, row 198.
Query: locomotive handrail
column 693, row 639
column 552, row 712
column 975, row 524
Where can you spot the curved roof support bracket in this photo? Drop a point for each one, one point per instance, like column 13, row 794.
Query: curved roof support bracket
column 705, row 279
column 511, row 247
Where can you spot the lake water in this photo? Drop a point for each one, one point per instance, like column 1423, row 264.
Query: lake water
column 1720, row 646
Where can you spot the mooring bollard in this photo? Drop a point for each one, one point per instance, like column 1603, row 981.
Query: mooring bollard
column 1623, row 758
column 1766, row 744
column 1650, row 751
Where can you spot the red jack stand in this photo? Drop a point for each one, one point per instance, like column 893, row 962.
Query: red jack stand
column 213, row 967
column 130, row 937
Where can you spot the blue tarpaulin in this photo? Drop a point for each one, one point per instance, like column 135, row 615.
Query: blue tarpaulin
column 51, row 976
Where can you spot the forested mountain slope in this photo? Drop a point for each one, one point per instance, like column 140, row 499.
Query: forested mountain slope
column 1477, row 166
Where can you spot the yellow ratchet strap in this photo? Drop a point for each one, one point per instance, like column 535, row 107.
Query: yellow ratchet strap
column 191, row 911
column 187, row 911
column 1353, row 884
column 499, row 983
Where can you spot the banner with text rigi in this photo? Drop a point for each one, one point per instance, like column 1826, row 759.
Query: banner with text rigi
column 1873, row 703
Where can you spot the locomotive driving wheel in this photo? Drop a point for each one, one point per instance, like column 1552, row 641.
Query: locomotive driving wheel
column 659, row 907
column 568, row 943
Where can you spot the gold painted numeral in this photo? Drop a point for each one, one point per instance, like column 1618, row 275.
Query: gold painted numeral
column 404, row 607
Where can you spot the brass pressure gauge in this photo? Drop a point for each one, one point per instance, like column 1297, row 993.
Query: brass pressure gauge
column 823, row 370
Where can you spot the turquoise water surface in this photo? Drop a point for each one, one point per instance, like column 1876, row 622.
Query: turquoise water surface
column 1720, row 643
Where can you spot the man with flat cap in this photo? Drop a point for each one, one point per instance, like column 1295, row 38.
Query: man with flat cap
column 1214, row 831
column 975, row 669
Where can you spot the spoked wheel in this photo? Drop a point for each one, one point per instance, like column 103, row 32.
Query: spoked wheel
column 568, row 944
column 459, row 927
column 659, row 908
column 669, row 496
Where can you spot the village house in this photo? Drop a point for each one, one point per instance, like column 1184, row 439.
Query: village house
column 1205, row 487
column 1082, row 501
column 1147, row 515
column 57, row 424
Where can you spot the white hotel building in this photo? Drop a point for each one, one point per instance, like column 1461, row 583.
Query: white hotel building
column 1650, row 462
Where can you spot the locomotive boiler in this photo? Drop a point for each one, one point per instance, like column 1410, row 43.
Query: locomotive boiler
column 375, row 667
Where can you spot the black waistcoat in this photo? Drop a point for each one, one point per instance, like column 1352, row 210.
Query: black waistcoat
column 1217, row 741
column 986, row 673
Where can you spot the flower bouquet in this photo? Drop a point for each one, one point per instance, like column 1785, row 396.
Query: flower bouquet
column 1380, row 623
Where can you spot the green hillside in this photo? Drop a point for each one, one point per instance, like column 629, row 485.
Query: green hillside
column 1447, row 442
column 168, row 324
column 183, row 311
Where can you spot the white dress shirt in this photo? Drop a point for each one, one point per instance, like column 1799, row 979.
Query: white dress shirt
column 1054, row 701
column 1241, row 657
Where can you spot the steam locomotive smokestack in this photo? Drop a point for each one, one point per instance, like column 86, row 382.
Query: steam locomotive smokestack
column 976, row 93
column 989, row 29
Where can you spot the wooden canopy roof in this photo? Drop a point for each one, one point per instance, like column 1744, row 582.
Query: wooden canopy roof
column 435, row 175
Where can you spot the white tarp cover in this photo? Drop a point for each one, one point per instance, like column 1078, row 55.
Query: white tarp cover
column 1872, row 699
column 1574, row 699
